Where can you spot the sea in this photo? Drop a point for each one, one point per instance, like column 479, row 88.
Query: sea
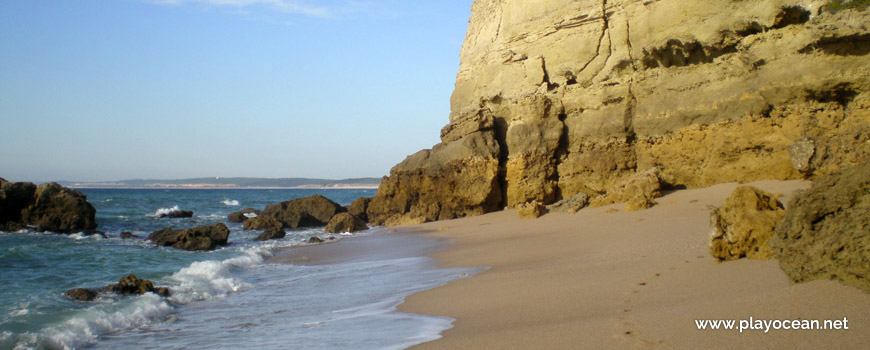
column 232, row 298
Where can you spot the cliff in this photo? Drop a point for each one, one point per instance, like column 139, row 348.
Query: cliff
column 558, row 97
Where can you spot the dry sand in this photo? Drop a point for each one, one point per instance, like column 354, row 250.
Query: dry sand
column 597, row 280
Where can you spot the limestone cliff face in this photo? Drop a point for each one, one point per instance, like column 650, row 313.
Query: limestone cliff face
column 557, row 97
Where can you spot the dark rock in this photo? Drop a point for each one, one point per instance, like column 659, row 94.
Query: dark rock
column 264, row 223
column 826, row 230
column 240, row 216
column 82, row 294
column 315, row 240
column 15, row 197
column 345, row 222
column 128, row 235
column 177, row 214
column 197, row 238
column 358, row 208
column 271, row 233
column 131, row 285
column 743, row 226
column 310, row 211
column 60, row 209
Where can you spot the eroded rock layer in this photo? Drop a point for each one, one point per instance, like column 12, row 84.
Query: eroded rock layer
column 558, row 97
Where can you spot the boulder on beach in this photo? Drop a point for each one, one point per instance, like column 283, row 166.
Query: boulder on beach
column 638, row 191
column 174, row 214
column 47, row 207
column 310, row 211
column 743, row 226
column 531, row 210
column 242, row 215
column 570, row 205
column 358, row 208
column 345, row 222
column 196, row 238
column 826, row 230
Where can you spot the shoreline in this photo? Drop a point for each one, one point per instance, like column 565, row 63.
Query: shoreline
column 375, row 187
column 626, row 279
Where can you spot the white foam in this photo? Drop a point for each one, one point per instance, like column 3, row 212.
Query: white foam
column 209, row 279
column 229, row 202
column 250, row 215
column 164, row 211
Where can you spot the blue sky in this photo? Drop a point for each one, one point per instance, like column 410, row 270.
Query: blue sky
column 119, row 89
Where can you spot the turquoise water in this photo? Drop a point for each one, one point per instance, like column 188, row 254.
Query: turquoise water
column 211, row 290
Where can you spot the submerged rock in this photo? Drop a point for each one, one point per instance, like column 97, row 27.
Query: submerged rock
column 826, row 230
column 315, row 240
column 177, row 214
column 82, row 294
column 743, row 226
column 345, row 222
column 242, row 215
column 196, row 238
column 131, row 285
column 531, row 210
column 47, row 207
column 129, row 235
column 310, row 211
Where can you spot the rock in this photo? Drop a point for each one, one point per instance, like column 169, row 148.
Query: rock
column 15, row 197
column 82, row 294
column 128, row 235
column 60, row 209
column 264, row 223
column 131, row 285
column 345, row 222
column 558, row 97
column 638, row 190
column 826, row 230
column 570, row 205
column 310, row 211
column 531, row 210
column 197, row 238
column 242, row 215
column 743, row 226
column 358, row 208
column 271, row 233
column 315, row 240
column 177, row 214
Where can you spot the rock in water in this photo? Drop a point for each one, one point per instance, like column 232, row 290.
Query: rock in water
column 315, row 240
column 128, row 235
column 197, row 238
column 531, row 210
column 557, row 97
column 175, row 214
column 345, row 222
column 131, row 285
column 310, row 211
column 15, row 197
column 82, row 294
column 263, row 223
column 272, row 233
column 242, row 215
column 59, row 209
column 358, row 208
column 826, row 230
column 743, row 226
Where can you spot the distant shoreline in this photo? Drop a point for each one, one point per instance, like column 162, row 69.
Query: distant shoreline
column 213, row 187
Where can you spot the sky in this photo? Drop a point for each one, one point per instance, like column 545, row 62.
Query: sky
column 165, row 89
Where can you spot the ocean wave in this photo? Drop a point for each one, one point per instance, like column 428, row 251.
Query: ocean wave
column 164, row 211
column 229, row 202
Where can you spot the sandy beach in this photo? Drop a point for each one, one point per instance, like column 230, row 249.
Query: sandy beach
column 626, row 279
